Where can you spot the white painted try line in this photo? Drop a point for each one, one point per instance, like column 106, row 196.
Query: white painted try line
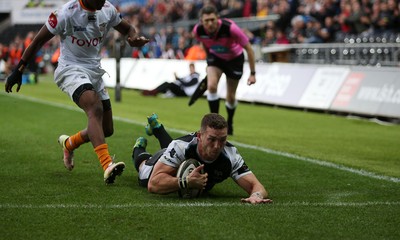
column 262, row 149
column 194, row 204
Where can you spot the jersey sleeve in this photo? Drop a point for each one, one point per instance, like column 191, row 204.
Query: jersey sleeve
column 240, row 36
column 115, row 17
column 239, row 167
column 174, row 155
column 56, row 22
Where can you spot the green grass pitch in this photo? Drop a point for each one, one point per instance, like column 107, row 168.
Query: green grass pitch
column 330, row 177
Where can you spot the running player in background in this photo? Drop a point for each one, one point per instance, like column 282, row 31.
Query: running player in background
column 224, row 42
column 82, row 26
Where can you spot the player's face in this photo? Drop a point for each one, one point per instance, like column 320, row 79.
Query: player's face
column 210, row 22
column 95, row 4
column 211, row 143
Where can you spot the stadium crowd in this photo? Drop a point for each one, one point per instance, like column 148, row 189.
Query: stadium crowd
column 300, row 21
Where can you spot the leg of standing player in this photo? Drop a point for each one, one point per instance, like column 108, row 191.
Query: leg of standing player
column 231, row 102
column 100, row 125
column 213, row 76
column 92, row 98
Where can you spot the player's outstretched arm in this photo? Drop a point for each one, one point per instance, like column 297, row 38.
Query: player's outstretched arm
column 133, row 39
column 254, row 188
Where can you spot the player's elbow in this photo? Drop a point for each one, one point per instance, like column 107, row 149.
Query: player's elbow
column 156, row 188
column 153, row 188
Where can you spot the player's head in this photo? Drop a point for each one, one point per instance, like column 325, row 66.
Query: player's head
column 212, row 136
column 94, row 4
column 209, row 18
column 213, row 120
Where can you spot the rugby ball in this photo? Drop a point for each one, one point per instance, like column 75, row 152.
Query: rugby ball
column 184, row 170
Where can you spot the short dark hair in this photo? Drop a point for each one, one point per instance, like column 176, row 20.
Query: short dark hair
column 213, row 120
column 208, row 9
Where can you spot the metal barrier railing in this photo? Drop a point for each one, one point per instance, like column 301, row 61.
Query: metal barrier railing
column 364, row 54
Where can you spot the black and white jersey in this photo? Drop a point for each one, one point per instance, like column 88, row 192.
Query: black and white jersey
column 228, row 164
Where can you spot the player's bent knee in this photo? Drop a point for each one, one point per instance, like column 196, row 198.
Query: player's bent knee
column 212, row 89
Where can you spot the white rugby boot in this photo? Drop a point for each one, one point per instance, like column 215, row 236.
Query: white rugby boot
column 68, row 155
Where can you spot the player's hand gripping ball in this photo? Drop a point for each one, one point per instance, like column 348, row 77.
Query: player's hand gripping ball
column 184, row 170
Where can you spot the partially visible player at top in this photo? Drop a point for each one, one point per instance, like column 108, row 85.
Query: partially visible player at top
column 83, row 26
column 224, row 42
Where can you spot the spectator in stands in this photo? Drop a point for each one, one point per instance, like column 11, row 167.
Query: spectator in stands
column 4, row 69
column 285, row 16
column 270, row 37
column 156, row 43
column 33, row 63
column 358, row 21
column 249, row 8
column 382, row 17
column 313, row 32
column 172, row 36
column 181, row 87
column 330, row 28
column 15, row 51
column 189, row 11
column 396, row 14
column 168, row 52
column 234, row 10
column 297, row 32
column 345, row 12
column 262, row 9
column 196, row 52
column 281, row 37
column 330, row 8
column 183, row 47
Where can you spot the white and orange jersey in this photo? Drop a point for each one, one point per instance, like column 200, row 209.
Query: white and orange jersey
column 82, row 32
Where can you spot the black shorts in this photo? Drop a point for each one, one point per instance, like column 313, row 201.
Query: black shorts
column 233, row 68
column 85, row 87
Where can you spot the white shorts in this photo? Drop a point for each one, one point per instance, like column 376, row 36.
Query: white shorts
column 69, row 78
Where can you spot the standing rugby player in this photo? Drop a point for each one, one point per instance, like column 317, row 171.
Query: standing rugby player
column 224, row 42
column 83, row 26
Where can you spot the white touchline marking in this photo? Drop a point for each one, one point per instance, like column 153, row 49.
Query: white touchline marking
column 193, row 204
column 262, row 149
column 320, row 162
